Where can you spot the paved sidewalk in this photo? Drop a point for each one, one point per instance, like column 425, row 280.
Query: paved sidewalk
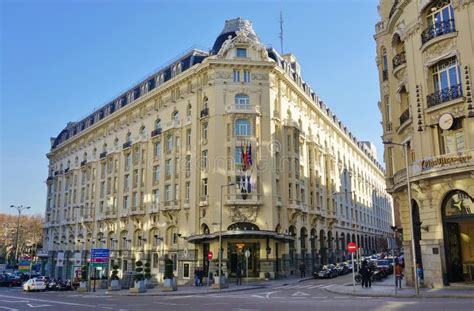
column 386, row 288
column 184, row 290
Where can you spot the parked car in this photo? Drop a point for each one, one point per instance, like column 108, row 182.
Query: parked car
column 385, row 265
column 46, row 280
column 4, row 280
column 14, row 279
column 342, row 268
column 327, row 272
column 34, row 284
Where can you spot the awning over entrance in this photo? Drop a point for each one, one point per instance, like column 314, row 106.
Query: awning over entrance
column 239, row 234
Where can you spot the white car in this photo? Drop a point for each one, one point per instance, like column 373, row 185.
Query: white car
column 34, row 284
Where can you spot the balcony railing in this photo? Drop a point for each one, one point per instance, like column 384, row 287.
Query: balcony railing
column 404, row 116
column 126, row 145
column 243, row 199
column 399, row 59
column 444, row 95
column 233, row 108
column 204, row 112
column 83, row 162
column 156, row 132
column 438, row 29
column 103, row 155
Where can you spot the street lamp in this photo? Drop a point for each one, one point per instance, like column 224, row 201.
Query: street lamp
column 412, row 229
column 220, row 237
column 19, row 208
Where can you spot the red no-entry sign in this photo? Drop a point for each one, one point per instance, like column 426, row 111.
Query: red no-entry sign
column 352, row 247
column 210, row 255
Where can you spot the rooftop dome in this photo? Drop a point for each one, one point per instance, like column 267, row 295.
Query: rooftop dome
column 230, row 29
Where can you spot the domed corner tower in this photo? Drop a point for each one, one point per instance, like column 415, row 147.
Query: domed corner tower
column 231, row 28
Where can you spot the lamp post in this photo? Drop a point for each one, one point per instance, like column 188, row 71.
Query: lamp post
column 19, row 208
column 220, row 236
column 412, row 229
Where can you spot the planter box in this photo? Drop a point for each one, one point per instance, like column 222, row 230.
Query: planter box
column 219, row 282
column 139, row 287
column 169, row 285
column 115, row 285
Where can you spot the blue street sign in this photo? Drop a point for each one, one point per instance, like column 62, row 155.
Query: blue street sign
column 100, row 253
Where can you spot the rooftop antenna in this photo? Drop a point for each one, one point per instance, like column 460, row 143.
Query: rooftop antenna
column 281, row 32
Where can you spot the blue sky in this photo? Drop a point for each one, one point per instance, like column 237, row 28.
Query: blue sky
column 62, row 59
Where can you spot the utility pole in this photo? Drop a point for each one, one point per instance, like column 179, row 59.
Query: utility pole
column 19, row 208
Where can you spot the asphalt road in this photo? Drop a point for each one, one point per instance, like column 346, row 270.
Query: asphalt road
column 308, row 295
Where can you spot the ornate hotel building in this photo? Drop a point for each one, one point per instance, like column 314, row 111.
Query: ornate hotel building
column 234, row 130
column 425, row 59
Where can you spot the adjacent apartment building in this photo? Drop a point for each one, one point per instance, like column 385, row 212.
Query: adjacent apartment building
column 233, row 133
column 425, row 60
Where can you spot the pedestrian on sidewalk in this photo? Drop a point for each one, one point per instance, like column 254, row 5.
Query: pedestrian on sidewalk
column 302, row 270
column 398, row 274
column 196, row 276
column 365, row 274
column 238, row 275
column 420, row 274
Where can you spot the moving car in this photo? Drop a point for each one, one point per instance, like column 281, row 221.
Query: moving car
column 327, row 272
column 34, row 284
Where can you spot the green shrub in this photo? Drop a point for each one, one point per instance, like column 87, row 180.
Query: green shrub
column 114, row 275
column 168, row 269
column 138, row 271
column 147, row 270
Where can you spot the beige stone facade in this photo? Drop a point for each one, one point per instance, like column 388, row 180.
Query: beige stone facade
column 145, row 175
column 425, row 59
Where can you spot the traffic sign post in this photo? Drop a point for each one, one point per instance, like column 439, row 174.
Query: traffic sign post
column 352, row 248
column 247, row 255
column 210, row 255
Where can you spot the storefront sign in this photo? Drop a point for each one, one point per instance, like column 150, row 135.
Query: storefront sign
column 443, row 161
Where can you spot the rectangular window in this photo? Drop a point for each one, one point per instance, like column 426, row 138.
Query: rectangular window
column 241, row 52
column 188, row 165
column 169, row 167
column 238, row 155
column 156, row 174
column 126, row 182
column 204, row 186
column 204, row 159
column 169, row 143
column 125, row 202
column 204, row 131
column 187, row 190
column 167, row 193
column 176, row 192
column 157, row 150
column 135, row 178
column 236, row 75
column 156, row 196
column 188, row 138
column 128, row 161
column 246, row 76
column 135, row 199
column 452, row 140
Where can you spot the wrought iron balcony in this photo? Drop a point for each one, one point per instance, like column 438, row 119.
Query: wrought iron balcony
column 444, row 95
column 399, row 59
column 103, row 155
column 204, row 112
column 156, row 132
column 438, row 29
column 405, row 116
column 126, row 145
column 83, row 162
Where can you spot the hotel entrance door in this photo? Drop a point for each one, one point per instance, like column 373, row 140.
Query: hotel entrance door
column 235, row 253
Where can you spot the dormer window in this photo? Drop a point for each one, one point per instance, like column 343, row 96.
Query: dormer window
column 241, row 52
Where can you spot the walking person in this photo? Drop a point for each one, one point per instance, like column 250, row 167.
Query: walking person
column 238, row 274
column 302, row 270
column 398, row 274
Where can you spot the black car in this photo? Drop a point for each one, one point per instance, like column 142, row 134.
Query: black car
column 327, row 272
column 342, row 268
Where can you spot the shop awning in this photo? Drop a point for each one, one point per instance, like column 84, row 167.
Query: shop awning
column 240, row 234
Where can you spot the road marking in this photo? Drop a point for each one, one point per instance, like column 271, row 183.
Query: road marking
column 52, row 301
column 364, row 297
column 341, row 297
column 319, row 297
column 300, row 294
column 327, row 286
column 13, row 301
column 37, row 306
column 315, row 286
column 7, row 308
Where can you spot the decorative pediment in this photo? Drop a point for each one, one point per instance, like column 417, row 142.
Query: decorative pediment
column 244, row 213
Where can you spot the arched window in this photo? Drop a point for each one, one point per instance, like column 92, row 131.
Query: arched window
column 242, row 101
column 158, row 124
column 204, row 102
column 188, row 110
column 104, row 147
column 128, row 137
column 242, row 127
column 205, row 229
column 142, row 130
column 116, row 142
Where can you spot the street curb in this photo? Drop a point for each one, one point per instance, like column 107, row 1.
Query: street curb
column 368, row 294
column 177, row 293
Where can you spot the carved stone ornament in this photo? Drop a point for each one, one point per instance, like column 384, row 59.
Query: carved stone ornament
column 244, row 213
column 439, row 49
